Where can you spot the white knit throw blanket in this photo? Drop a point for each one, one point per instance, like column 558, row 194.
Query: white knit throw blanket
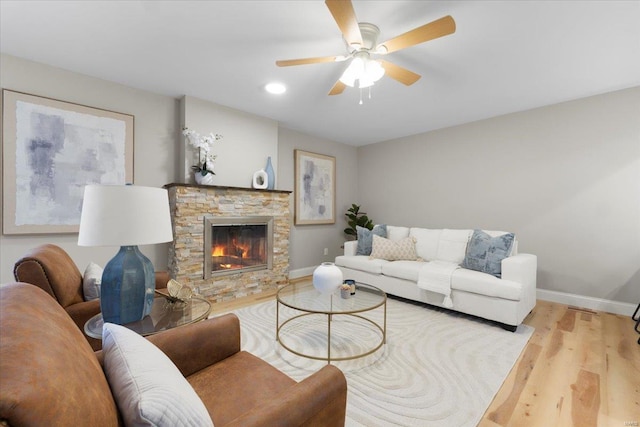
column 435, row 276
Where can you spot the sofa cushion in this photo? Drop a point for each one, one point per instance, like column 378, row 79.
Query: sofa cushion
column 394, row 250
column 452, row 245
column 149, row 388
column 396, row 233
column 361, row 262
column 485, row 284
column 485, row 253
column 407, row 270
column 92, row 281
column 426, row 242
column 365, row 237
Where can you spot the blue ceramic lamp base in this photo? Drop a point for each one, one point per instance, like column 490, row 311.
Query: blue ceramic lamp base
column 128, row 286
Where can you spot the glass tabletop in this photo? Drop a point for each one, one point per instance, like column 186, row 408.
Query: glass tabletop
column 303, row 296
column 164, row 315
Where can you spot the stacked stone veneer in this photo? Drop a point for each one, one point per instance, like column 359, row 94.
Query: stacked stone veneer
column 190, row 203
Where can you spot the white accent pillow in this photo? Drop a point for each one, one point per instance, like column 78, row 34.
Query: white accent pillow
column 426, row 242
column 396, row 233
column 452, row 246
column 148, row 388
column 92, row 281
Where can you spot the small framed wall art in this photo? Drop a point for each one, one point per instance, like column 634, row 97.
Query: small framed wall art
column 50, row 150
column 315, row 188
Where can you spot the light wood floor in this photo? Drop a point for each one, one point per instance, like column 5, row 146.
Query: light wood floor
column 580, row 368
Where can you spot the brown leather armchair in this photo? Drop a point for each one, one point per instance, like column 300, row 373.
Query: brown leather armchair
column 50, row 268
column 49, row 375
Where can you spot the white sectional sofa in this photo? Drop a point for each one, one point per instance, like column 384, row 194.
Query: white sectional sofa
column 506, row 300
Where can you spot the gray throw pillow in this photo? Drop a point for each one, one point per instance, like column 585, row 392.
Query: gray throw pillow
column 485, row 253
column 365, row 238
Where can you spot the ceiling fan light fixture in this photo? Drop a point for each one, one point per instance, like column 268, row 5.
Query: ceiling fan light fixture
column 275, row 88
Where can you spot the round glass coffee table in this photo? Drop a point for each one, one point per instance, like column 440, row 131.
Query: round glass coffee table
column 317, row 308
column 164, row 315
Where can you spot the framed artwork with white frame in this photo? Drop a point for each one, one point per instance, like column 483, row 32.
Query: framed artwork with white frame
column 315, row 188
column 51, row 149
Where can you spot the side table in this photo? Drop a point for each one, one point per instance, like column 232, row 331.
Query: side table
column 164, row 315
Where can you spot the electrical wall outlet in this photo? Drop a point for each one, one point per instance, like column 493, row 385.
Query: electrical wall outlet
column 326, row 251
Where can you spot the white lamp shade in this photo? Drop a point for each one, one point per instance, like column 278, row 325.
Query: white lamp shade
column 124, row 215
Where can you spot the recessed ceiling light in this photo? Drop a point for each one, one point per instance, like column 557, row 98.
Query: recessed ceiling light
column 275, row 88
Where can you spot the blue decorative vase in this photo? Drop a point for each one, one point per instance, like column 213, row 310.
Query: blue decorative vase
column 128, row 286
column 271, row 181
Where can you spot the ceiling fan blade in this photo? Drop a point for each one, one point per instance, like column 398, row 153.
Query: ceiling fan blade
column 302, row 61
column 345, row 17
column 438, row 28
column 337, row 88
column 399, row 73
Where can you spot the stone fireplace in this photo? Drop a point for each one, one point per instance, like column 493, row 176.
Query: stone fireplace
column 229, row 242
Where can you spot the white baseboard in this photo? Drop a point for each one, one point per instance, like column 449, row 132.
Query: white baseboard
column 599, row 304
column 301, row 272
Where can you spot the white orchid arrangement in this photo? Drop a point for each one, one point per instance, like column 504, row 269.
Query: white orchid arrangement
column 204, row 144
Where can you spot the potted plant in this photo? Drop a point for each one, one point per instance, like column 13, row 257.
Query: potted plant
column 356, row 218
column 203, row 171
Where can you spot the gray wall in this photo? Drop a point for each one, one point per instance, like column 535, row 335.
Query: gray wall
column 308, row 241
column 564, row 178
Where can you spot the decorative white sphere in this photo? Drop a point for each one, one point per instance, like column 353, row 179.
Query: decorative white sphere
column 327, row 278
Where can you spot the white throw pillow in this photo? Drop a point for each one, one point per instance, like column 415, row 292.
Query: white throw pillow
column 452, row 246
column 92, row 281
column 148, row 388
column 426, row 242
column 396, row 233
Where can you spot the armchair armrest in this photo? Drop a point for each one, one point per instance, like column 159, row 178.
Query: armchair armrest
column 196, row 346
column 350, row 247
column 318, row 400
column 162, row 278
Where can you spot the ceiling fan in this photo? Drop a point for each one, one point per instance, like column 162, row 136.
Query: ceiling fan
column 363, row 46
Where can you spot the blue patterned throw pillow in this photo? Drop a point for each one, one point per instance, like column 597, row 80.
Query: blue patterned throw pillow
column 365, row 238
column 485, row 253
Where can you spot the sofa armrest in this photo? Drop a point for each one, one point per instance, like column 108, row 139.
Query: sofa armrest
column 521, row 268
column 350, row 247
column 198, row 345
column 318, row 400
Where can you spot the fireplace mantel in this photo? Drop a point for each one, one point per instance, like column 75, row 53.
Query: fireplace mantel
column 190, row 204
column 222, row 187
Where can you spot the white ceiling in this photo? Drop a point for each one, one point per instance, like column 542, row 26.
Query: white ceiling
column 505, row 56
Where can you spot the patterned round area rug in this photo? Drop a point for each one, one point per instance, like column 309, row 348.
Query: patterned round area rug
column 437, row 368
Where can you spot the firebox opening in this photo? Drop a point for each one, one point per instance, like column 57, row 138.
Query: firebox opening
column 237, row 244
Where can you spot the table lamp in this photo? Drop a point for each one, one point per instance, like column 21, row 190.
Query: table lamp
column 125, row 216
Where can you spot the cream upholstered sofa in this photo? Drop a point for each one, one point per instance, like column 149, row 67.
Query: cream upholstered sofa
column 505, row 298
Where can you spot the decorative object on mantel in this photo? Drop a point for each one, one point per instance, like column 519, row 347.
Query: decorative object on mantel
column 125, row 216
column 271, row 184
column 327, row 278
column 203, row 171
column 260, row 180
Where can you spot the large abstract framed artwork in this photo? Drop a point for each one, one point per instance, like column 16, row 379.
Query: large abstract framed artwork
column 50, row 150
column 315, row 191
